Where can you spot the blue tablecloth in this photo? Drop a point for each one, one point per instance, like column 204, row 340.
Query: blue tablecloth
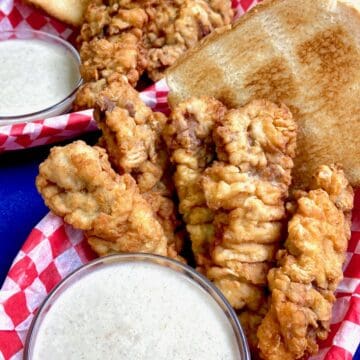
column 21, row 207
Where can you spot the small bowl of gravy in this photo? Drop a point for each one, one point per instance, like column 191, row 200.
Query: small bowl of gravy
column 39, row 76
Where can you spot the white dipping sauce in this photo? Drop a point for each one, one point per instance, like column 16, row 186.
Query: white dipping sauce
column 135, row 311
column 34, row 75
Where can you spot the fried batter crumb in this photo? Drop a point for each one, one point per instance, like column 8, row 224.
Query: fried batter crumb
column 129, row 37
column 309, row 269
column 78, row 183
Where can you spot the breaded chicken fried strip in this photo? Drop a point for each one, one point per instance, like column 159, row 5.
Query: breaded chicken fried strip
column 232, row 177
column 111, row 41
column 175, row 26
column 309, row 269
column 188, row 138
column 122, row 37
column 131, row 134
column 246, row 189
column 78, row 183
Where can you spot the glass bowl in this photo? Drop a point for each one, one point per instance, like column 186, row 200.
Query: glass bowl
column 187, row 272
column 59, row 107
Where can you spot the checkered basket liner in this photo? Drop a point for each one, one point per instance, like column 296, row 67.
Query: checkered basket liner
column 54, row 249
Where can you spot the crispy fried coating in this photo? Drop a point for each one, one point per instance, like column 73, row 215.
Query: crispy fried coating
column 224, row 8
column 78, row 183
column 131, row 131
column 188, row 138
column 175, row 26
column 122, row 37
column 111, row 42
column 246, row 189
column 87, row 94
column 131, row 135
column 233, row 171
column 309, row 269
column 250, row 322
column 110, row 58
column 104, row 18
column 166, row 213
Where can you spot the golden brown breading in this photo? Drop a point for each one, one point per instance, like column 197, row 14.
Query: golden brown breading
column 309, row 269
column 122, row 37
column 78, row 183
column 131, row 131
column 246, row 190
column 175, row 26
column 106, row 18
column 111, row 57
column 224, row 8
column 166, row 213
column 87, row 94
column 131, row 136
column 111, row 41
column 232, row 178
column 188, row 138
column 250, row 322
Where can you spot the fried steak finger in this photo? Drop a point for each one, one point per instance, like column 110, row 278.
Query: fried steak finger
column 175, row 26
column 131, row 134
column 246, row 189
column 131, row 131
column 188, row 138
column 78, row 183
column 113, row 57
column 111, row 42
column 309, row 269
column 125, row 38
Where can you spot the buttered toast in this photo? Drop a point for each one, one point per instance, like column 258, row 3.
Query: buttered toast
column 305, row 54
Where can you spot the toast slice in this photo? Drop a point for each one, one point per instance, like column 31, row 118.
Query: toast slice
column 68, row 11
column 305, row 54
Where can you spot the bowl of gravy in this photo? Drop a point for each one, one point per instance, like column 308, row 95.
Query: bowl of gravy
column 39, row 73
column 136, row 306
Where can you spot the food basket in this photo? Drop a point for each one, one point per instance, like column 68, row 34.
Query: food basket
column 54, row 249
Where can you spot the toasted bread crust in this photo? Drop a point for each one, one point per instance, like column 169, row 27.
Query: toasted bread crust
column 304, row 54
column 68, row 11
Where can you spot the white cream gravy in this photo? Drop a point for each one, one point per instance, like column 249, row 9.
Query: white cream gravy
column 34, row 75
column 135, row 311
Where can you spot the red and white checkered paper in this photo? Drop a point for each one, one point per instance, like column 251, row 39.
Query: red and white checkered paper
column 54, row 249
column 68, row 126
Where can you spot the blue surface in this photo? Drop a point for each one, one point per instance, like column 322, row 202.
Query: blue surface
column 21, row 207
column 357, row 354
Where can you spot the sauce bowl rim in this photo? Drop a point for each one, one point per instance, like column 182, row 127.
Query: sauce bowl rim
column 61, row 42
